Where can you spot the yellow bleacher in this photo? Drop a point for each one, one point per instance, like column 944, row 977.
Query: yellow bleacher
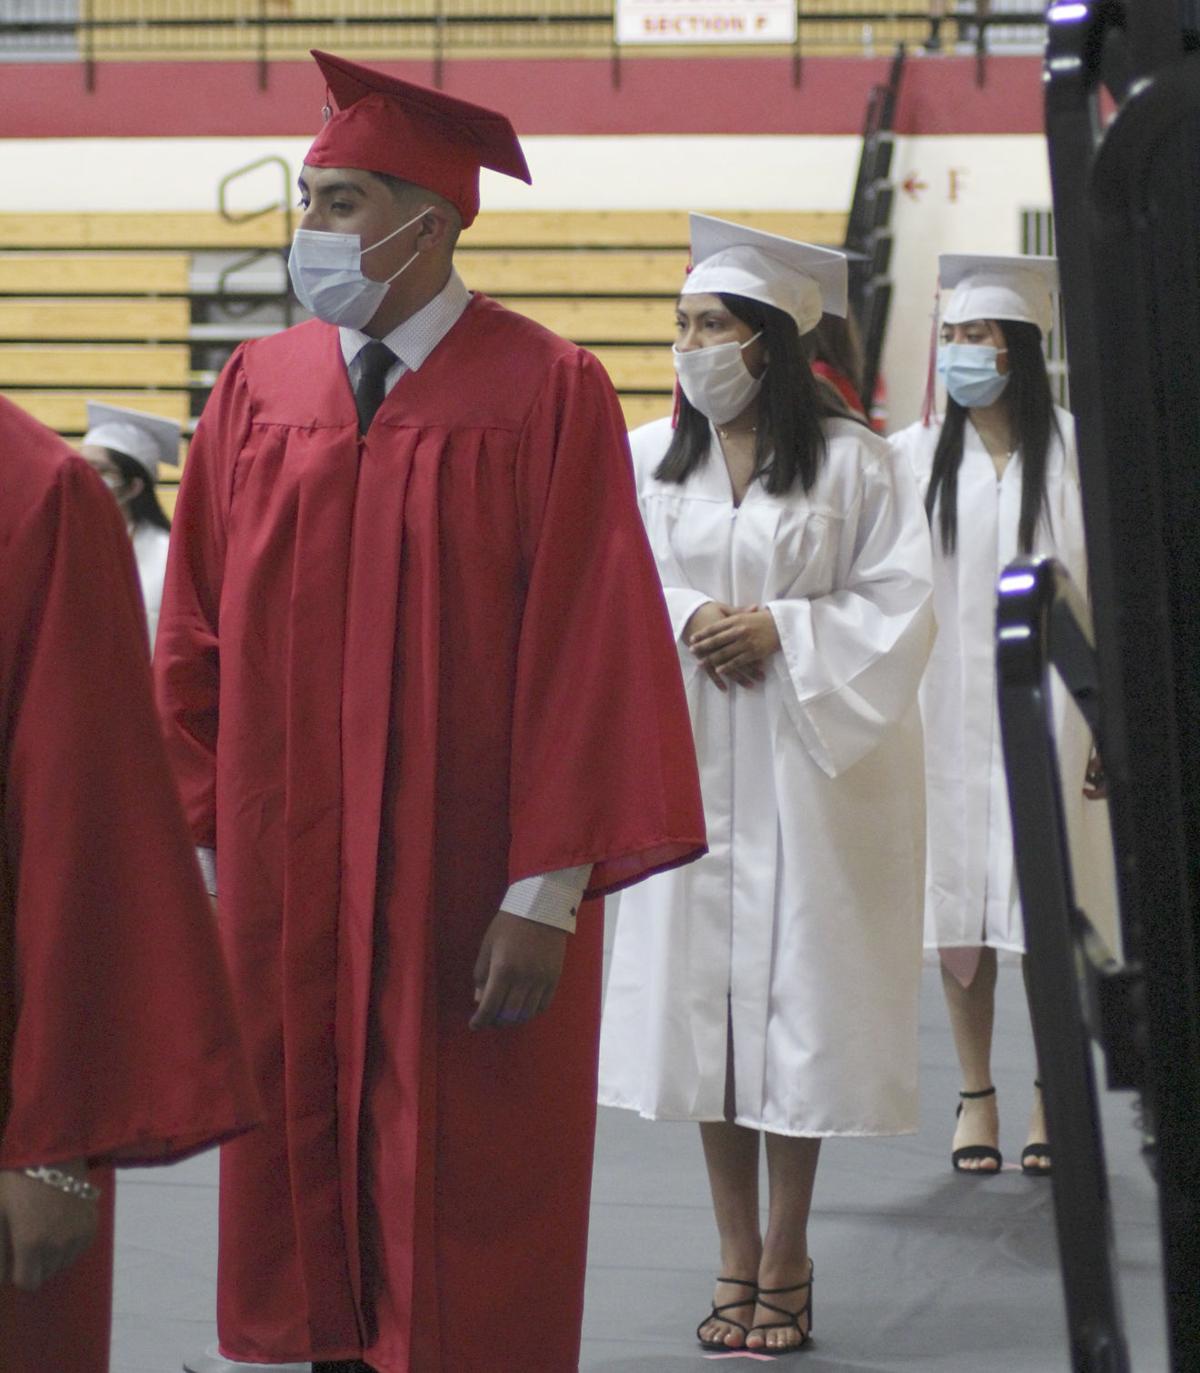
column 383, row 30
column 76, row 365
column 84, row 273
column 197, row 229
column 53, row 318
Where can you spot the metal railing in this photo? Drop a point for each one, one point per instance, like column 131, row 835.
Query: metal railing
column 226, row 298
column 437, row 30
column 1126, row 215
column 1078, row 993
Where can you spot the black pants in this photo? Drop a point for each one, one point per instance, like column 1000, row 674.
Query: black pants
column 342, row 1366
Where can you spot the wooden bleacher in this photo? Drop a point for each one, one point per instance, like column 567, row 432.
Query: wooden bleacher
column 106, row 305
column 197, row 229
column 208, row 29
column 73, row 317
column 66, row 409
column 34, row 272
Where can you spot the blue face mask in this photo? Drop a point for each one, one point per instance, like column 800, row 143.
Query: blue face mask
column 969, row 372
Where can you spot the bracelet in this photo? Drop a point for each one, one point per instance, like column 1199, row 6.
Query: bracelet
column 64, row 1182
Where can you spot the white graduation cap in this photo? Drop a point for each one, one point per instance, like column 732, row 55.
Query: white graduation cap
column 1017, row 288
column 148, row 439
column 800, row 279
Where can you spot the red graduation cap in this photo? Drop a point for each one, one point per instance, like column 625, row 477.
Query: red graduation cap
column 391, row 126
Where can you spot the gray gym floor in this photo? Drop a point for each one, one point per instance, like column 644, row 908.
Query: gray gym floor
column 916, row 1269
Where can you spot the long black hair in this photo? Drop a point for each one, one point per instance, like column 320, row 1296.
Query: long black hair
column 1032, row 421
column 144, row 508
column 836, row 343
column 789, row 444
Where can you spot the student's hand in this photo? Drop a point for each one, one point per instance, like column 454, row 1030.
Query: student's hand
column 710, row 616
column 519, row 964
column 739, row 643
column 42, row 1230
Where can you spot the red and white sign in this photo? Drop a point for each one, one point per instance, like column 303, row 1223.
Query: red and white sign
column 706, row 21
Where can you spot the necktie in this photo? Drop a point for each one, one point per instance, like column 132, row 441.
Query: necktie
column 374, row 361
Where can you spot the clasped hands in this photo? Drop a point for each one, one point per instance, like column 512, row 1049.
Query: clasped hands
column 732, row 643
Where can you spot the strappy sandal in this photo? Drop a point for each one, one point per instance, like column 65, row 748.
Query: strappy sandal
column 975, row 1151
column 791, row 1323
column 718, row 1314
column 1035, row 1157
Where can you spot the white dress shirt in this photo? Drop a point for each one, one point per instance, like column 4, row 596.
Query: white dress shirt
column 552, row 898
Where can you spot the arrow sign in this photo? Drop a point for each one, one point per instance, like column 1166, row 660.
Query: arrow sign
column 913, row 185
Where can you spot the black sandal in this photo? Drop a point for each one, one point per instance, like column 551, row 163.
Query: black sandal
column 793, row 1317
column 975, row 1151
column 718, row 1314
column 1035, row 1157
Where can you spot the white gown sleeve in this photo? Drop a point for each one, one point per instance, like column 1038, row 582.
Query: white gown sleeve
column 682, row 604
column 913, row 447
column 647, row 446
column 852, row 660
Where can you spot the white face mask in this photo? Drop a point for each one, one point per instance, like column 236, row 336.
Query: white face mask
column 121, row 490
column 327, row 276
column 715, row 379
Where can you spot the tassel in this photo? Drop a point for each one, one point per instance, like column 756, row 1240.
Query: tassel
column 675, row 401
column 929, row 406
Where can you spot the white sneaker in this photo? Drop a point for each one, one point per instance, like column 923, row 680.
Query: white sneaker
column 213, row 1361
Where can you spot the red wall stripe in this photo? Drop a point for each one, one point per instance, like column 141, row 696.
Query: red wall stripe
column 720, row 95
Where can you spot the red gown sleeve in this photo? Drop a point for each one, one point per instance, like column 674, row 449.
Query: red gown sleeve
column 186, row 657
column 117, row 1036
column 604, row 767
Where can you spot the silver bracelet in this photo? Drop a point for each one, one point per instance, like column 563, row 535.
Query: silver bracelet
column 64, row 1182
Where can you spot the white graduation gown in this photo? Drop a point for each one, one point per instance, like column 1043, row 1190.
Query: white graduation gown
column 801, row 928
column 150, row 552
column 971, row 895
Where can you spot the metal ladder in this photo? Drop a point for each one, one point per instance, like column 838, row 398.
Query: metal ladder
column 868, row 235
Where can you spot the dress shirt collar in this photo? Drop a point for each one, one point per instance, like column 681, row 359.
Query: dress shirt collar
column 416, row 337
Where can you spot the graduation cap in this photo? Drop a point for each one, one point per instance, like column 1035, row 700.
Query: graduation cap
column 418, row 135
column 800, row 279
column 148, row 439
column 1017, row 288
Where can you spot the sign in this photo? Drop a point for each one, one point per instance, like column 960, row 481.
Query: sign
column 705, row 21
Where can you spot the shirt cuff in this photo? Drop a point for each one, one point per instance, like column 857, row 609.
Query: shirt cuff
column 551, row 899
column 207, row 858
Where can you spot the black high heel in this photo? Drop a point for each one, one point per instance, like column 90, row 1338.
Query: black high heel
column 1035, row 1157
column 718, row 1314
column 793, row 1317
column 976, row 1151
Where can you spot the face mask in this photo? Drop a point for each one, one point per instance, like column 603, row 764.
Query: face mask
column 327, row 276
column 715, row 379
column 120, row 489
column 969, row 371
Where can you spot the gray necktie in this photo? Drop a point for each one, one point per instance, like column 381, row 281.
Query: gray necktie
column 374, row 362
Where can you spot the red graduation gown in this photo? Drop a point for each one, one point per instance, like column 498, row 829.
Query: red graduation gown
column 441, row 663
column 117, row 1040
